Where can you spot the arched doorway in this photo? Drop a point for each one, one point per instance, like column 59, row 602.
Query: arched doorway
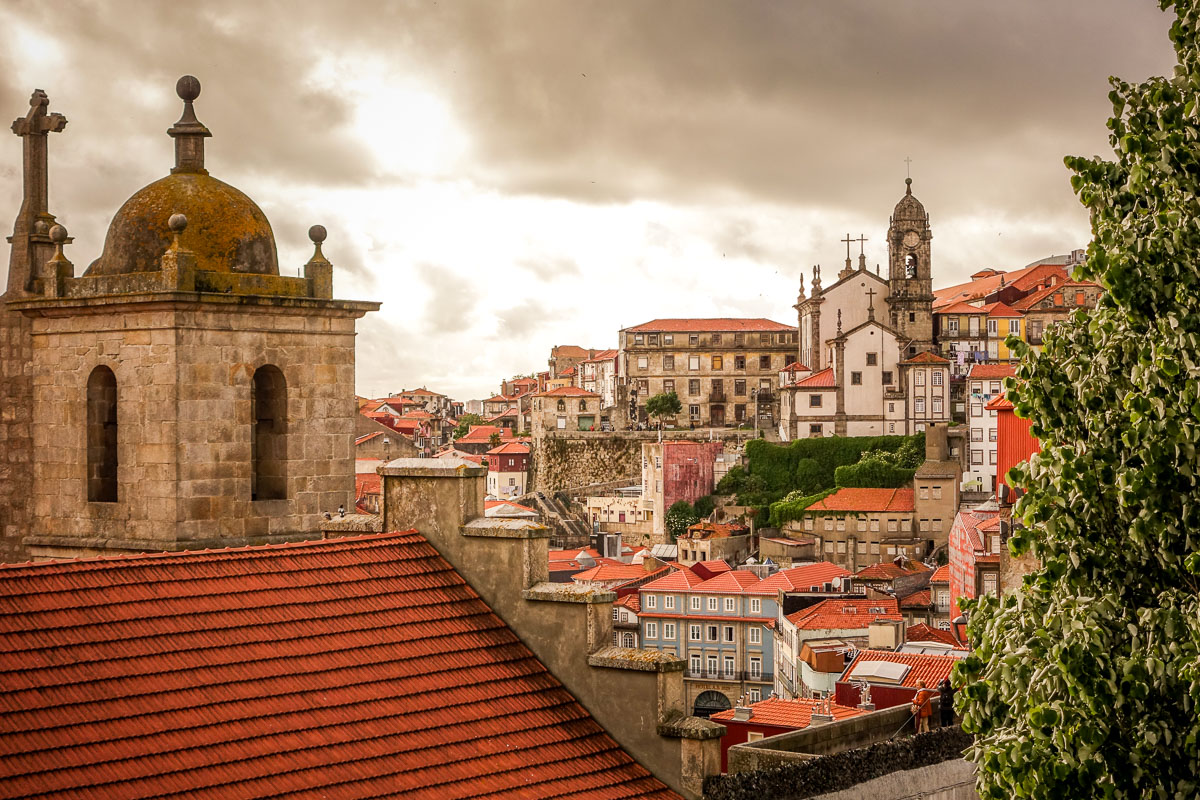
column 709, row 703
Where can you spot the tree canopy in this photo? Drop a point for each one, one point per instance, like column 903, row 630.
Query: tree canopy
column 464, row 424
column 664, row 404
column 680, row 517
column 1085, row 683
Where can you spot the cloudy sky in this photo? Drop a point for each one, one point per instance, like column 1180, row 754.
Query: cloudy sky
column 506, row 176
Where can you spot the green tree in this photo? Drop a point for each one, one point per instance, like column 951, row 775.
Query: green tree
column 464, row 424
column 1086, row 683
column 809, row 476
column 664, row 404
column 680, row 517
column 494, row 440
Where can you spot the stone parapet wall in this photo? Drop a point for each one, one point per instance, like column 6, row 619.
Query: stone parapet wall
column 567, row 461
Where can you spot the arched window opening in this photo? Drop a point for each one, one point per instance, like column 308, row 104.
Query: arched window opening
column 709, row 703
column 562, row 405
column 268, row 437
column 102, row 435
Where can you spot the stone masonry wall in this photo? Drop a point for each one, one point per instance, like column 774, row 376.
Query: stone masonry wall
column 565, row 461
column 184, row 377
column 16, row 437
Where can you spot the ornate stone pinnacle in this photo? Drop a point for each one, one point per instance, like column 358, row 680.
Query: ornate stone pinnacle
column 189, row 133
column 178, row 224
column 317, row 234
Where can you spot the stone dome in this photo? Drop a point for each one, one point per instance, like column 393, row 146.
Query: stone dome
column 226, row 230
column 909, row 207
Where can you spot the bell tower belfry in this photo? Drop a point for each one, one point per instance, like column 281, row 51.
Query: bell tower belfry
column 910, row 300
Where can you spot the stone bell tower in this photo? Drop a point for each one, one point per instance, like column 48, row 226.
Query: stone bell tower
column 910, row 280
column 182, row 393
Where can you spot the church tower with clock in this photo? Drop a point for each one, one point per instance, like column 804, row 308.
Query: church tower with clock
column 910, row 281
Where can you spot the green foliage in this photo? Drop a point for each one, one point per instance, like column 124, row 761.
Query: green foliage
column 808, row 476
column 733, row 482
column 494, row 440
column 664, row 404
column 792, row 506
column 1086, row 683
column 883, row 469
column 680, row 517
column 464, row 424
column 704, row 506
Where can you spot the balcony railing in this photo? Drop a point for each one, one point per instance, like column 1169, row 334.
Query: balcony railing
column 717, row 397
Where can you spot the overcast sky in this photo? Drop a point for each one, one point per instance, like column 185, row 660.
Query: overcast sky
column 507, row 176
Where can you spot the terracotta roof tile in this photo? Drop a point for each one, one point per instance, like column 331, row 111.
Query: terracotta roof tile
column 849, row 499
column 918, row 599
column 631, row 601
column 516, row 448
column 818, row 380
column 999, row 403
column 610, row 572
column 845, row 614
column 789, row 714
column 920, row 632
column 885, row 571
column 567, row 391
column 346, row 668
column 1024, row 279
column 927, row 358
column 800, row 579
column 680, row 580
column 720, row 325
column 941, row 574
column 991, row 371
column 933, row 669
column 731, row 582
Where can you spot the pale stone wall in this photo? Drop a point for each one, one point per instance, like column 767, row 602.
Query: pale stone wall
column 184, row 376
column 16, row 415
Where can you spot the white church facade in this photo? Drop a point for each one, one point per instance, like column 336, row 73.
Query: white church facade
column 866, row 364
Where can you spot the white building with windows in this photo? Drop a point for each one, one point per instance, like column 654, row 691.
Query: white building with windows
column 984, row 383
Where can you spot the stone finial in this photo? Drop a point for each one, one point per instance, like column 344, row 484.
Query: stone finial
column 839, row 323
column 800, row 297
column 189, row 133
column 908, row 186
column 318, row 270
column 59, row 267
column 178, row 224
column 178, row 268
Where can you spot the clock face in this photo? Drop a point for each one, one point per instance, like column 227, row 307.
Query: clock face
column 911, row 239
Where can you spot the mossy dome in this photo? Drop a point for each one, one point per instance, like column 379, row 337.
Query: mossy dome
column 225, row 230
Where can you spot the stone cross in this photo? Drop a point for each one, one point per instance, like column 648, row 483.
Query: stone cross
column 33, row 128
column 861, row 242
column 907, row 167
column 848, row 240
column 871, row 297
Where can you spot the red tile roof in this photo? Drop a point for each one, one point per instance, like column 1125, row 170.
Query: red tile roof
column 516, row 448
column 715, row 530
column 885, row 571
column 918, row 599
column 567, row 391
column 991, row 371
column 353, row 667
column 800, row 579
column 732, row 582
column 610, row 572
column 1002, row 310
column 927, row 358
column 865, row 500
column 680, row 580
column 720, row 325
column 933, row 669
column 483, row 433
column 603, row 355
column 920, row 632
column 715, row 566
column 941, row 574
column 788, row 714
column 961, row 307
column 999, row 403
column 507, row 505
column 1023, row 279
column 367, row 438
column 818, row 380
column 631, row 601
column 845, row 614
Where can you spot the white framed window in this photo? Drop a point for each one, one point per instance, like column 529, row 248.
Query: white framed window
column 937, row 377
column 991, row 457
column 829, row 523
column 976, row 434
column 919, row 405
column 651, row 630
column 694, row 662
column 616, row 613
column 693, row 362
column 711, row 633
column 712, row 604
column 728, row 633
column 755, row 605
column 993, row 433
column 937, row 405
column 753, row 736
column 841, row 523
column 728, row 665
column 729, row 604
column 668, row 338
column 669, row 630
column 1014, row 327
column 808, row 523
column 992, row 327
column 643, row 362
column 755, row 696
column 651, row 601
column 669, row 602
column 695, row 603
column 755, row 668
column 694, row 633
column 862, row 524
column 919, row 378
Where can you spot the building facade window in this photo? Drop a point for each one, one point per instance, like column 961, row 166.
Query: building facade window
column 693, row 362
column 717, row 362
column 668, row 362
column 268, row 439
column 856, row 379
column 102, row 457
column 669, row 631
column 651, row 630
